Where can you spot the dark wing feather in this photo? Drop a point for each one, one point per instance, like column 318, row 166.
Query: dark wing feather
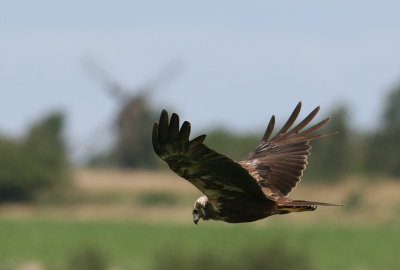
column 216, row 175
column 278, row 163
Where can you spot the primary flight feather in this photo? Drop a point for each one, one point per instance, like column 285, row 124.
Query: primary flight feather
column 251, row 189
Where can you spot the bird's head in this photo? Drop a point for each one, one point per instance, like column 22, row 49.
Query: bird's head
column 199, row 209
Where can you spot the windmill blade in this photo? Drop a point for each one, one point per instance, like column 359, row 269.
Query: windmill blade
column 100, row 74
column 123, row 93
column 162, row 77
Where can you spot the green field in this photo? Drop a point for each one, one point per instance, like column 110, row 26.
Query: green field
column 132, row 245
column 139, row 220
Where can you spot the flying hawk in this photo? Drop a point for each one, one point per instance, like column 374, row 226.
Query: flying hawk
column 251, row 189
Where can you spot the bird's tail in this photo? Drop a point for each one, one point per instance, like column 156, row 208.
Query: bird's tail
column 289, row 206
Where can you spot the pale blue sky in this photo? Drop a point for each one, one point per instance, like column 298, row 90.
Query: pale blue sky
column 242, row 60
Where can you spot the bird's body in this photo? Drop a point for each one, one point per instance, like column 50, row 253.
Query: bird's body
column 251, row 189
column 241, row 210
column 248, row 209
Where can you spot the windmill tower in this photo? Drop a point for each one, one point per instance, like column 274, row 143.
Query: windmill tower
column 132, row 147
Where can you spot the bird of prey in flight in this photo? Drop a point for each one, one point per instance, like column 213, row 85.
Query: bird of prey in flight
column 251, row 189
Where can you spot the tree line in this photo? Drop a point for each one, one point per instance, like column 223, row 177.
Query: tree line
column 39, row 160
column 34, row 163
column 350, row 151
column 371, row 153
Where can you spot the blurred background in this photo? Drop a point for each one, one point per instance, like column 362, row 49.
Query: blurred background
column 83, row 81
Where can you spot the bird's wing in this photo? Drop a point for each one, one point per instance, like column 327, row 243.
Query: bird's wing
column 216, row 175
column 278, row 163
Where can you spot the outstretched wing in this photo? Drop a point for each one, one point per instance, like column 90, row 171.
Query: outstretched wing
column 278, row 163
column 216, row 175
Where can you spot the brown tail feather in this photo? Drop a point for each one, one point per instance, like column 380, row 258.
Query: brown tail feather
column 289, row 206
column 305, row 203
column 283, row 209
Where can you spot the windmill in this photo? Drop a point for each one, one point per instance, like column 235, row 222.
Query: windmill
column 132, row 147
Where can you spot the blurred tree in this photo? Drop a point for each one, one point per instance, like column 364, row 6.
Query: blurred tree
column 331, row 156
column 383, row 146
column 232, row 145
column 45, row 145
column 12, row 171
column 37, row 163
column 391, row 117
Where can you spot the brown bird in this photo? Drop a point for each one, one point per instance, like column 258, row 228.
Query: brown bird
column 251, row 189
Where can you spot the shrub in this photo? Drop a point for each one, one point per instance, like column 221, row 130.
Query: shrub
column 272, row 256
column 88, row 259
column 157, row 198
column 35, row 163
column 354, row 200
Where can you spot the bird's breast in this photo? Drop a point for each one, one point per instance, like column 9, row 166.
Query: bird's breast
column 245, row 210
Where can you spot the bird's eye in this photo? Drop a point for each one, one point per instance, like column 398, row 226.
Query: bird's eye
column 195, row 212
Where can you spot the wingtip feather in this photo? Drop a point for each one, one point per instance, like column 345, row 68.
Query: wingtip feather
column 164, row 115
column 306, row 120
column 269, row 129
column 198, row 140
column 291, row 119
column 173, row 128
column 163, row 126
column 316, row 126
column 184, row 132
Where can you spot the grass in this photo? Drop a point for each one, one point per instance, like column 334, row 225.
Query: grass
column 141, row 220
column 135, row 245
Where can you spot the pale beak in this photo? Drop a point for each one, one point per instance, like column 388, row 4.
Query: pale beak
column 196, row 219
